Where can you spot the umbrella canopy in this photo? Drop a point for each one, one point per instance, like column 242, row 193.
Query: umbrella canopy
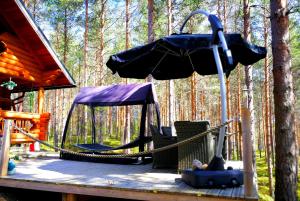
column 179, row 55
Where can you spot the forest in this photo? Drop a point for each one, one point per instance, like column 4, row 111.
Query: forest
column 84, row 33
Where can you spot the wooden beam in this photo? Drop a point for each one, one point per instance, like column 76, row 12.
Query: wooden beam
column 18, row 57
column 17, row 67
column 21, row 56
column 21, row 67
column 28, row 35
column 4, row 153
column 16, row 47
column 53, row 72
column 247, row 152
column 6, row 114
column 13, row 73
column 41, row 98
column 50, row 76
column 68, row 197
column 112, row 192
column 6, row 36
column 18, row 51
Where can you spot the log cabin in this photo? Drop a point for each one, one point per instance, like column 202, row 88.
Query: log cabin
column 27, row 59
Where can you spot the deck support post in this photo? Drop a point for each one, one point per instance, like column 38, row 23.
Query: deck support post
column 68, row 197
column 5, row 145
column 41, row 98
column 247, row 153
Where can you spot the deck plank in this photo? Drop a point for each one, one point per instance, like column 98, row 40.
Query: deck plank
column 238, row 193
column 227, row 192
column 213, row 192
column 109, row 179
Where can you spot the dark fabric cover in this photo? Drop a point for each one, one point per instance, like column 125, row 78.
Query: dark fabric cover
column 179, row 55
column 117, row 95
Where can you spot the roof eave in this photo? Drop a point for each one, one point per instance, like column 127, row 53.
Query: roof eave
column 46, row 43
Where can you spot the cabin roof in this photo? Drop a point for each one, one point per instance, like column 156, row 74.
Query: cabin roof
column 29, row 59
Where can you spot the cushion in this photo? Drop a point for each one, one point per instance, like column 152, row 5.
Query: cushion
column 167, row 131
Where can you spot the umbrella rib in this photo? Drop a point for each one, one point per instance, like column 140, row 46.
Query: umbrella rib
column 191, row 61
column 196, row 49
column 168, row 50
column 159, row 62
column 125, row 64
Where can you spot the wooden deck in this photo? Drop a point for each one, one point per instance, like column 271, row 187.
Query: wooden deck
column 137, row 182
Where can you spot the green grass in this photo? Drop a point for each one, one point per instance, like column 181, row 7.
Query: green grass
column 263, row 179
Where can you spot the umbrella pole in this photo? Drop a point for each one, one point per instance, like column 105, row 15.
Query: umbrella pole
column 217, row 163
column 223, row 100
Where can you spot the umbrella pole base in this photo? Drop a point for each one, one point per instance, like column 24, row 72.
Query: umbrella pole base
column 217, row 163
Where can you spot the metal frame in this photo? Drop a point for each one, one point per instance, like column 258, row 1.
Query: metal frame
column 215, row 44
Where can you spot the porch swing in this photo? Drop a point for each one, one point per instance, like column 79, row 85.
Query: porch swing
column 109, row 96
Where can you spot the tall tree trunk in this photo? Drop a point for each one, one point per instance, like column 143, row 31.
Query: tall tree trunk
column 26, row 3
column 171, row 82
column 127, row 135
column 239, row 107
column 66, row 30
column 100, row 55
column 271, row 128
column 150, row 30
column 225, row 15
column 228, row 95
column 193, row 97
column 249, row 80
column 55, row 133
column 85, row 68
column 56, row 94
column 219, row 9
column 150, row 39
column 266, row 116
column 65, row 60
column 202, row 100
column 100, row 58
column 286, row 148
column 259, row 143
column 32, row 5
column 150, row 27
column 193, row 83
column 150, row 21
column 86, row 32
column 238, row 95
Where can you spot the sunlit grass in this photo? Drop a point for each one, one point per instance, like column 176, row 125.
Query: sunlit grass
column 263, row 179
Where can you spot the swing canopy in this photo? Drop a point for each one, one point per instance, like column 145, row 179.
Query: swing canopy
column 117, row 95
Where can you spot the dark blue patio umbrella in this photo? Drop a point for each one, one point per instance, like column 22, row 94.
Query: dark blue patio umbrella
column 179, row 55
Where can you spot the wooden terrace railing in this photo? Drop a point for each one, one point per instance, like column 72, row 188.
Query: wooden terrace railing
column 34, row 123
